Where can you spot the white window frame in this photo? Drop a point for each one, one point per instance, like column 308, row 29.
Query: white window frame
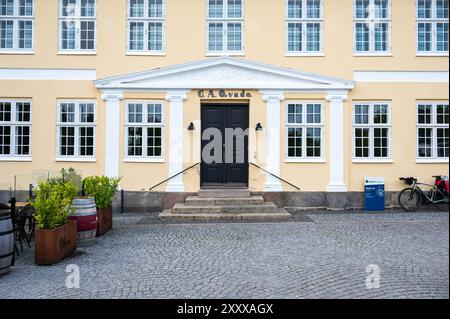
column 16, row 18
column 13, row 124
column 304, row 20
column 304, row 126
column 434, row 126
column 144, row 125
column 146, row 20
column 224, row 20
column 372, row 22
column 371, row 126
column 77, row 124
column 433, row 20
column 61, row 19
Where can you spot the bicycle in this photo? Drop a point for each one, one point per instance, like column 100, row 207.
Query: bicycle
column 411, row 199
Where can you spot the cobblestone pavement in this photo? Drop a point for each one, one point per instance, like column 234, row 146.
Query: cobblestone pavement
column 315, row 256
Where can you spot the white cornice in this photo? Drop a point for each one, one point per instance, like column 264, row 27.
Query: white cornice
column 48, row 74
column 401, row 76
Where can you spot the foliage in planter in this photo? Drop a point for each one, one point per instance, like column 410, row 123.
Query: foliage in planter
column 52, row 203
column 69, row 175
column 102, row 188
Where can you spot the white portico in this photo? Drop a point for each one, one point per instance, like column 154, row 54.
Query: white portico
column 227, row 73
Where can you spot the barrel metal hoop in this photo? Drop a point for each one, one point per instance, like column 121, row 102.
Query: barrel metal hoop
column 7, row 255
column 7, row 232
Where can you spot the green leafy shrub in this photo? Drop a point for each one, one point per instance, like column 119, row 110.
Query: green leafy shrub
column 102, row 188
column 69, row 175
column 52, row 203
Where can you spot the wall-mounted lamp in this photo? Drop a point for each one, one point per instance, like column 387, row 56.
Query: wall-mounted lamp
column 258, row 127
column 191, row 127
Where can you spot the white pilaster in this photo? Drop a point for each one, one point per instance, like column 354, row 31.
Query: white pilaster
column 112, row 132
column 273, row 137
column 176, row 131
column 336, row 182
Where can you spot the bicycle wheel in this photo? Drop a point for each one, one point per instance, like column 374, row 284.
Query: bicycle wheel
column 410, row 199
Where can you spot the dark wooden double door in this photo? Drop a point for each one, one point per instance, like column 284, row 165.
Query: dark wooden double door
column 227, row 172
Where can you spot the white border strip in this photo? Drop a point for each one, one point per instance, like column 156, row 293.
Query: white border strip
column 48, row 74
column 401, row 76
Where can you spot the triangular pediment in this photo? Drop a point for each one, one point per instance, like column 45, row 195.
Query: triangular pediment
column 223, row 72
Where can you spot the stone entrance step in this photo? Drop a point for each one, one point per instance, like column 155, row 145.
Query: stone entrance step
column 229, row 201
column 224, row 193
column 261, row 209
column 280, row 215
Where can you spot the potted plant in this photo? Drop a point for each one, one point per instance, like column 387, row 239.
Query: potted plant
column 56, row 235
column 103, row 189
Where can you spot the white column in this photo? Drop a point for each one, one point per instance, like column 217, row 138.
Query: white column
column 112, row 132
column 176, row 131
column 273, row 138
column 336, row 127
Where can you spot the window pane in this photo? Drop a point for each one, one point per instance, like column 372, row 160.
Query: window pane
column 425, row 142
column 380, row 113
column 5, row 140
column 424, row 114
column 381, row 37
column 88, row 8
column 361, row 114
column 234, row 9
column 134, row 141
column 26, row 8
column 135, row 113
column 313, row 37
column 155, row 36
column 87, row 113
column 234, row 37
column 137, row 8
column 215, row 9
column 424, row 9
column 155, row 9
column 442, row 9
column 22, row 140
column 313, row 142
column 362, row 37
column 381, row 8
column 361, row 142
column 442, row 142
column 313, row 113
column 442, row 114
column 154, row 141
column 25, row 34
column 154, row 112
column 294, row 37
column 313, row 9
column 442, row 36
column 362, row 9
column 86, row 141
column 67, row 141
column 424, row 36
column 68, row 35
column 6, row 7
column 69, row 8
column 294, row 142
column 5, row 111
column 23, row 112
column 87, row 35
column 215, row 37
column 137, row 36
column 67, row 112
column 294, row 9
column 6, row 34
column 381, row 140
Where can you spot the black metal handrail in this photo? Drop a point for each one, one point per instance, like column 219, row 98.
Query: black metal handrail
column 278, row 177
column 168, row 179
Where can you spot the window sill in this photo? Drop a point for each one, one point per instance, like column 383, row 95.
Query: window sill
column 131, row 53
column 225, row 54
column 144, row 160
column 77, row 53
column 432, row 161
column 16, row 52
column 368, row 54
column 76, row 159
column 304, row 160
column 305, row 54
column 432, row 54
column 372, row 161
column 15, row 159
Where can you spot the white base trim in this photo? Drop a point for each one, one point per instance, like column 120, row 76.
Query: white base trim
column 401, row 76
column 273, row 188
column 48, row 74
column 15, row 159
column 336, row 188
column 432, row 161
column 175, row 188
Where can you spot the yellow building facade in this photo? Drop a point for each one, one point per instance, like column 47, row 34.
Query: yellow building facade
column 331, row 91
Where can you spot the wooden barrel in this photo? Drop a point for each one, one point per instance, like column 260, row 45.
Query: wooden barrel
column 6, row 241
column 85, row 213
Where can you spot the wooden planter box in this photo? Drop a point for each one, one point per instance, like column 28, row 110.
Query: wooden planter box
column 53, row 245
column 104, row 220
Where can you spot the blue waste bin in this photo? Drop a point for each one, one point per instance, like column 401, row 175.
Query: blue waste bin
column 374, row 193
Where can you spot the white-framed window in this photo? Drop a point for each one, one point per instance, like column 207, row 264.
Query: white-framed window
column 15, row 129
column 225, row 26
column 432, row 131
column 371, row 131
column 144, row 130
column 304, row 26
column 16, row 25
column 76, row 130
column 304, row 130
column 77, row 26
column 432, row 26
column 145, row 26
column 372, row 26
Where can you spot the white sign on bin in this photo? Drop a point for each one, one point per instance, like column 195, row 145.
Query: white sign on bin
column 373, row 180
